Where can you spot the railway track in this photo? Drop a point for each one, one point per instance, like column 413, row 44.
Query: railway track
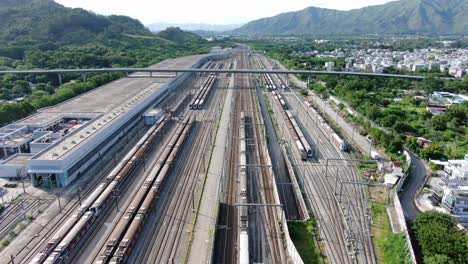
column 226, row 249
column 119, row 244
column 260, row 178
column 176, row 209
column 26, row 206
column 344, row 241
column 321, row 199
column 360, row 223
column 283, row 180
column 69, row 203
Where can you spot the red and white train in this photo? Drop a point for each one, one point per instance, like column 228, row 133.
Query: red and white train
column 64, row 241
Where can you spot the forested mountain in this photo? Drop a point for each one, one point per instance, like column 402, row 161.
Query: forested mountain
column 37, row 33
column 46, row 35
column 46, row 20
column 177, row 35
column 425, row 17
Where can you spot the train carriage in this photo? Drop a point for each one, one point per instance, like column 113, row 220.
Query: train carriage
column 71, row 240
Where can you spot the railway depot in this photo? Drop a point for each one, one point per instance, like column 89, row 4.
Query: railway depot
column 143, row 205
column 57, row 144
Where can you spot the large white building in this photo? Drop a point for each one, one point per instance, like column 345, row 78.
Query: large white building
column 59, row 143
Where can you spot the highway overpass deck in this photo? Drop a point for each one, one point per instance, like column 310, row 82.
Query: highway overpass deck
column 182, row 70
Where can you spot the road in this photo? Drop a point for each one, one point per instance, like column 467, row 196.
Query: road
column 415, row 181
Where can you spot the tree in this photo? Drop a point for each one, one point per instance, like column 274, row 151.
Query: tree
column 439, row 122
column 412, row 143
column 395, row 145
column 46, row 87
column 434, row 151
column 438, row 259
column 439, row 238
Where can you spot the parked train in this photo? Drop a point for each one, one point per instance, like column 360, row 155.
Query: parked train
column 122, row 239
column 76, row 226
column 202, row 94
column 301, row 142
column 299, row 138
column 328, row 130
column 243, row 211
column 267, row 80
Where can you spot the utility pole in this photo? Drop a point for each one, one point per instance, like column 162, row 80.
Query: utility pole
column 79, row 195
column 116, row 197
column 326, row 169
column 193, row 200
column 60, row 205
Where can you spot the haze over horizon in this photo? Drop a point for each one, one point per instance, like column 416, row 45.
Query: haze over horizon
column 208, row 11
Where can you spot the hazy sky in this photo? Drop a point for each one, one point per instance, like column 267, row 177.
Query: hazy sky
column 208, row 11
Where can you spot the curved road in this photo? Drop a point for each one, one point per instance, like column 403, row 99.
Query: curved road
column 415, row 180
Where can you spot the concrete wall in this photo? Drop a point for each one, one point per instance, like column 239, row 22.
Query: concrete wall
column 9, row 171
column 399, row 209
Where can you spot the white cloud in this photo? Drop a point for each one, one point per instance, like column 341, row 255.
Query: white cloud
column 208, row 11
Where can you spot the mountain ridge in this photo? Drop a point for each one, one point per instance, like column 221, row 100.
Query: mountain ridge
column 155, row 27
column 444, row 17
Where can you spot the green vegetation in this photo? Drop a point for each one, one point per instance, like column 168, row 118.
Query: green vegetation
column 390, row 248
column 303, row 237
column 395, row 249
column 41, row 34
column 439, row 238
column 390, row 104
column 425, row 17
column 362, row 167
column 177, row 35
column 13, row 233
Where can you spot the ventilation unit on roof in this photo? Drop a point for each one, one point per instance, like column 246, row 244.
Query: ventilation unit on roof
column 55, row 155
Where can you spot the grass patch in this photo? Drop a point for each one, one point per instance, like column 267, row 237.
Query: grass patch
column 395, row 250
column 302, row 235
column 366, row 166
column 389, row 248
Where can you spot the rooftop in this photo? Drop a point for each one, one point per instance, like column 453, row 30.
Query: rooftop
column 108, row 103
column 18, row 159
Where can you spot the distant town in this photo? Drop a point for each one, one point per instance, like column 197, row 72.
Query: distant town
column 452, row 61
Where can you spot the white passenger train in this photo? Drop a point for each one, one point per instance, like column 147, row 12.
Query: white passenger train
column 243, row 211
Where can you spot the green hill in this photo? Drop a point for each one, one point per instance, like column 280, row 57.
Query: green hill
column 177, row 35
column 44, row 34
column 425, row 17
column 46, row 20
column 41, row 34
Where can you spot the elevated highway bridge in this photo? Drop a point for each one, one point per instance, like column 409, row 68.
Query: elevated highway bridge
column 161, row 72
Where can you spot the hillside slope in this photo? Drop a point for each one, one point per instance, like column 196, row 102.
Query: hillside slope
column 45, row 20
column 425, row 17
column 177, row 35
